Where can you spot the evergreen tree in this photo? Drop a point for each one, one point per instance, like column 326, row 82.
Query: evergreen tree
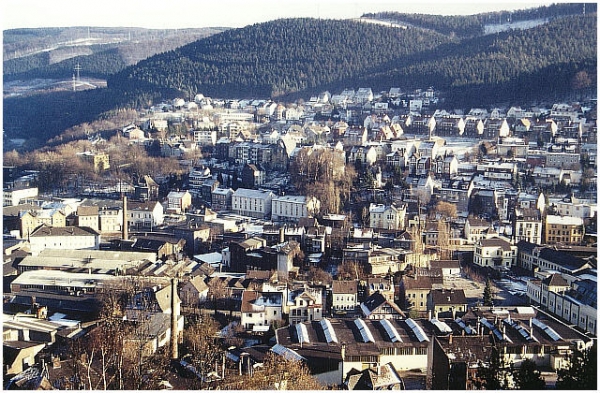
column 488, row 295
column 528, row 377
column 492, row 376
column 581, row 374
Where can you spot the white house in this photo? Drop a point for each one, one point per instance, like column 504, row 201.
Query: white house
column 260, row 309
column 253, row 203
column 179, row 201
column 145, row 214
column 495, row 252
column 293, row 207
column 387, row 217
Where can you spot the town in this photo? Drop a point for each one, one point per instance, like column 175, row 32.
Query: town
column 355, row 240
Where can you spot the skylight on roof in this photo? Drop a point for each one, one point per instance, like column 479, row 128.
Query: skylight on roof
column 330, row 335
column 390, row 330
column 417, row 330
column 547, row 329
column 302, row 333
column 364, row 331
column 442, row 326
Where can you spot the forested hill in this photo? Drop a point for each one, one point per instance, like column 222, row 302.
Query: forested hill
column 278, row 57
column 468, row 26
column 300, row 57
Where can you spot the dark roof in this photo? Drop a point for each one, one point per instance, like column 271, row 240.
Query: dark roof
column 556, row 280
column 63, row 231
column 421, row 282
column 445, row 264
column 345, row 287
column 445, row 296
column 87, row 210
column 496, row 242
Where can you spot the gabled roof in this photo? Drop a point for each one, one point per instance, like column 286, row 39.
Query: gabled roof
column 377, row 300
column 555, row 279
column 448, row 297
column 49, row 231
column 345, row 287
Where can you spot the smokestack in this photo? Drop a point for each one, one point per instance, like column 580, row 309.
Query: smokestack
column 125, row 232
column 282, row 234
column 174, row 317
column 450, row 339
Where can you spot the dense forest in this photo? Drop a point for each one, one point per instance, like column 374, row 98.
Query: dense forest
column 300, row 57
column 474, row 25
column 295, row 58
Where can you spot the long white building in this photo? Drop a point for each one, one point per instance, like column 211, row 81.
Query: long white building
column 252, row 203
column 293, row 207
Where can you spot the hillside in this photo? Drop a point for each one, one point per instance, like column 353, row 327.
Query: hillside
column 100, row 51
column 296, row 58
column 300, row 57
column 277, row 58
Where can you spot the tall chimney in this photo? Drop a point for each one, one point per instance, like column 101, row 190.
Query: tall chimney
column 125, row 232
column 282, row 234
column 174, row 317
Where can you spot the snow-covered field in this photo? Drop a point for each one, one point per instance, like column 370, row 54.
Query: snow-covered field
column 522, row 25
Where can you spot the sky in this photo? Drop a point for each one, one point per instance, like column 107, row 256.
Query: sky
column 171, row 14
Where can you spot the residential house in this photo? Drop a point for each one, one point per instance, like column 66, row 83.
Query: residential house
column 194, row 291
column 564, row 230
column 383, row 285
column 496, row 253
column 179, row 201
column 449, row 303
column 495, row 128
column 146, row 215
column 221, row 199
column 32, row 219
column 146, row 189
column 88, row 216
column 291, row 208
column 414, row 292
column 444, row 166
column 534, row 257
column 387, row 217
column 366, row 155
column 260, row 309
column 304, row 304
column 344, row 296
column 527, row 225
column 378, row 307
column 252, row 176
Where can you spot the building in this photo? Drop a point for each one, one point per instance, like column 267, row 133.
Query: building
column 260, row 309
column 344, row 296
column 414, row 292
column 179, row 201
column 304, row 304
column 252, row 203
column 377, row 306
column 496, row 253
column 18, row 195
column 68, row 237
column 221, row 199
column 387, row 217
column 533, row 257
column 517, row 333
column 447, row 303
column 476, row 229
column 291, row 208
column 144, row 215
column 527, row 226
column 88, row 216
column 252, row 176
column 563, row 230
column 383, row 285
column 32, row 219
